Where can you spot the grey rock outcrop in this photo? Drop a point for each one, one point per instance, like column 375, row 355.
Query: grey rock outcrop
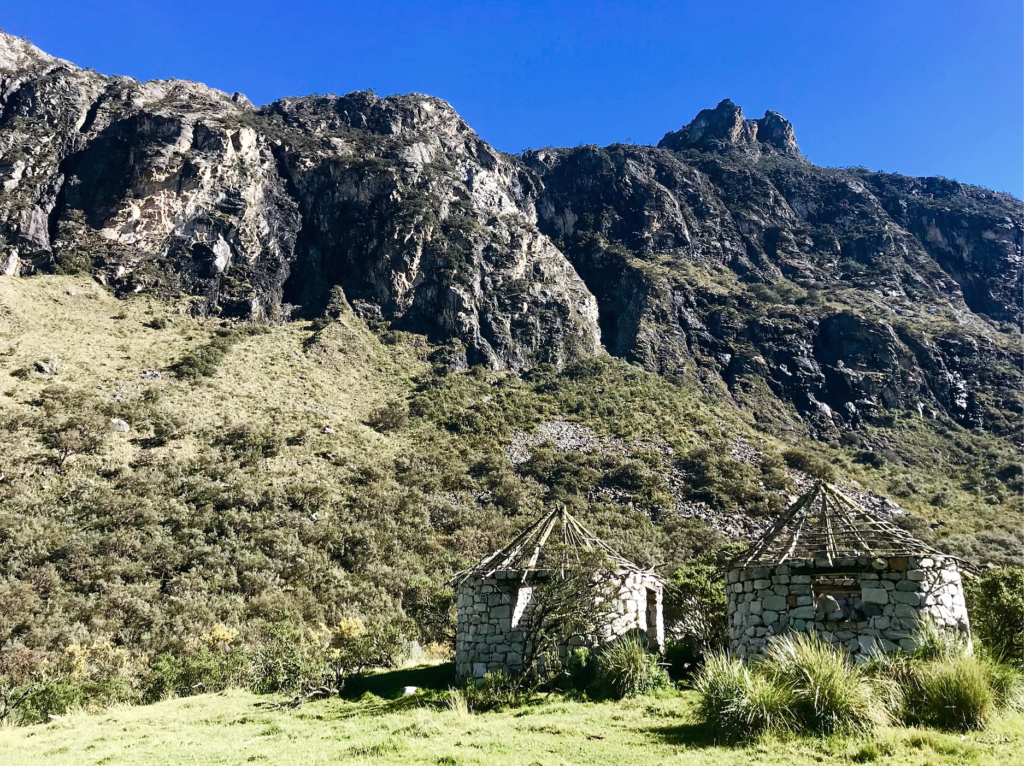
column 848, row 293
column 725, row 127
column 177, row 188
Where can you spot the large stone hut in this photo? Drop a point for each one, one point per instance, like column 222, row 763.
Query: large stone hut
column 495, row 598
column 830, row 566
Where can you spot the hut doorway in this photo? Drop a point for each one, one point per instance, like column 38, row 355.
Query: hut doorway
column 652, row 619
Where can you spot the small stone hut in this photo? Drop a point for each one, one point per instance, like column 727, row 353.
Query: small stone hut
column 495, row 598
column 830, row 566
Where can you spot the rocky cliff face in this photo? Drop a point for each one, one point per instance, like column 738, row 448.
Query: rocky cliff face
column 181, row 189
column 720, row 252
column 848, row 293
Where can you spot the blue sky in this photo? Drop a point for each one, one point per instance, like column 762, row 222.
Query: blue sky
column 923, row 88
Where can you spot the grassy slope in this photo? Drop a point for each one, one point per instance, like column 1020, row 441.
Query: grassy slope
column 153, row 541
column 237, row 728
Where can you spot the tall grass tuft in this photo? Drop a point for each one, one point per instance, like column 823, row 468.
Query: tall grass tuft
column 953, row 694
column 739, row 704
column 934, row 643
column 626, row 669
column 830, row 693
column 456, row 703
column 1007, row 684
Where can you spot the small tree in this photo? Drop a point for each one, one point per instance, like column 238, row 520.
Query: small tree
column 573, row 597
column 696, row 610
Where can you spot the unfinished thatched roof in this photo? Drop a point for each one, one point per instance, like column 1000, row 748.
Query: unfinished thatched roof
column 526, row 552
column 826, row 525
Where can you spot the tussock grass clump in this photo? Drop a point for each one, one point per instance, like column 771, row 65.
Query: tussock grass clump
column 953, row 693
column 945, row 684
column 627, row 669
column 801, row 685
column 830, row 693
column 737, row 703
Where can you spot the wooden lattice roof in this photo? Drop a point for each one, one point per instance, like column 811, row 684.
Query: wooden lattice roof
column 526, row 553
column 826, row 525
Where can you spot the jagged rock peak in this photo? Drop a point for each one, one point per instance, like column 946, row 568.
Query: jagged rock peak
column 724, row 127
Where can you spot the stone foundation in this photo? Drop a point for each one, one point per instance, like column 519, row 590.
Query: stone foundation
column 494, row 615
column 863, row 604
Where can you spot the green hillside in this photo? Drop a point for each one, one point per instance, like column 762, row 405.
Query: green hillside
column 326, row 469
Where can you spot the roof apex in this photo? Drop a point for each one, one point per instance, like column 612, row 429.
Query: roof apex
column 524, row 551
column 825, row 524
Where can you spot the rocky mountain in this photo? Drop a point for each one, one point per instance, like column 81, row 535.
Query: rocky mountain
column 823, row 298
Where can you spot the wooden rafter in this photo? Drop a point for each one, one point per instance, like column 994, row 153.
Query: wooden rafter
column 524, row 552
column 825, row 524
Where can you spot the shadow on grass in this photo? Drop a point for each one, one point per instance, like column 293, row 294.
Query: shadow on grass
column 389, row 685
column 695, row 735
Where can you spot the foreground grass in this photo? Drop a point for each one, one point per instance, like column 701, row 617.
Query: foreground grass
column 238, row 727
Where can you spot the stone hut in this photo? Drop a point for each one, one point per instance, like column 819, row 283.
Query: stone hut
column 495, row 598
column 830, row 566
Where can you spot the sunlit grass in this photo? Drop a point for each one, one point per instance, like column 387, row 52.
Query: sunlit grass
column 238, row 727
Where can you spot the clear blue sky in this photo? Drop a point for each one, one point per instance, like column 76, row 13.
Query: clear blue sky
column 920, row 87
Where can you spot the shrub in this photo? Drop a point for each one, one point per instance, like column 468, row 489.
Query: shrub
column 45, row 700
column 582, row 668
column 204, row 670
column 626, row 669
column 830, row 693
column 495, row 691
column 282, row 662
column 204, row 361
column 995, row 602
column 390, row 417
column 810, row 464
column 249, row 444
column 695, row 606
column 736, row 703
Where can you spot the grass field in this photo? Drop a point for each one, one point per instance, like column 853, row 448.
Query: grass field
column 386, row 728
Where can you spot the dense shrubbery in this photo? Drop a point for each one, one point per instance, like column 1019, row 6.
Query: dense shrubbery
column 995, row 602
column 280, row 657
column 204, row 361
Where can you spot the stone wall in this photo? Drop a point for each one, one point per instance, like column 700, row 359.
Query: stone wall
column 859, row 604
column 494, row 615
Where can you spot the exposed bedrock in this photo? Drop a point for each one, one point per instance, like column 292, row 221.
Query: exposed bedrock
column 721, row 252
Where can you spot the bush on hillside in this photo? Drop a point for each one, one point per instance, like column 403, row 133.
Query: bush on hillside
column 995, row 602
column 390, row 417
column 810, row 464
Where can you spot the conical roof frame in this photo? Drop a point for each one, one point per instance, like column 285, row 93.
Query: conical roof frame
column 523, row 553
column 826, row 525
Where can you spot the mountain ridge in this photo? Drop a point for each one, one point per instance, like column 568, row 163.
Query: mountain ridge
column 547, row 257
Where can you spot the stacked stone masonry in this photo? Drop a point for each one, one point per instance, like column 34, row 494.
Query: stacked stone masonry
column 863, row 604
column 494, row 614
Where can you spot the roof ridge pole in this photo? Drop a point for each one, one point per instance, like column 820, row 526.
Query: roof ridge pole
column 844, row 506
column 511, row 550
column 542, row 540
column 830, row 543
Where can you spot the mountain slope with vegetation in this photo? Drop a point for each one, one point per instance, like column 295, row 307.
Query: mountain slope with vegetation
column 305, row 362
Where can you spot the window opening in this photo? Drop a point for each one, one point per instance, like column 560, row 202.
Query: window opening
column 837, row 598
